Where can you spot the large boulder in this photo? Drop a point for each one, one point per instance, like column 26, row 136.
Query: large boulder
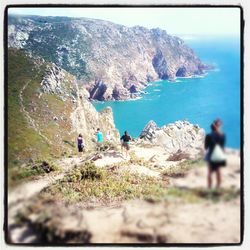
column 179, row 137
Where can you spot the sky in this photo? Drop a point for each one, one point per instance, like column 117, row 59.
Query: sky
column 194, row 21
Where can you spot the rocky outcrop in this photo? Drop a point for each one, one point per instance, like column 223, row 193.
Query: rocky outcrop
column 52, row 80
column 84, row 117
column 113, row 61
column 179, row 139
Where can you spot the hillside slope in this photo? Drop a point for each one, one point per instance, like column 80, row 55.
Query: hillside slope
column 47, row 110
column 114, row 61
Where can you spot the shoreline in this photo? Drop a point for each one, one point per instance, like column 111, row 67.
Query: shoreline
column 175, row 80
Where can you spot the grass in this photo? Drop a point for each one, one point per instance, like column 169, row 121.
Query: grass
column 88, row 181
column 181, row 169
column 193, row 195
column 24, row 142
column 27, row 171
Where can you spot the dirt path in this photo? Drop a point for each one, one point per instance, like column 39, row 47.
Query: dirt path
column 171, row 221
column 143, row 222
column 20, row 195
column 197, row 177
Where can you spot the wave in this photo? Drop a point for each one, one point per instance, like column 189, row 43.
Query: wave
column 156, row 90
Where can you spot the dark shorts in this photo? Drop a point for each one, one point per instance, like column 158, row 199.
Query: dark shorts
column 215, row 166
column 126, row 145
column 80, row 148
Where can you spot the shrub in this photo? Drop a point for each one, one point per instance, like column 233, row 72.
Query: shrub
column 87, row 171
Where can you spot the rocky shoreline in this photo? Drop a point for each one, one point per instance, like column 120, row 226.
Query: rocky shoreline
column 112, row 61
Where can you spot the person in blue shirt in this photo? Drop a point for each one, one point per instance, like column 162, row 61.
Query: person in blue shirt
column 99, row 139
column 99, row 136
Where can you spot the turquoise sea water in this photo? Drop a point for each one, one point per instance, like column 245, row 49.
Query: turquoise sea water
column 198, row 100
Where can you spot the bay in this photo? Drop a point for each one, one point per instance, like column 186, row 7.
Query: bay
column 198, row 100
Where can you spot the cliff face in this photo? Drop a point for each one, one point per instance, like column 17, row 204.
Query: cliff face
column 47, row 109
column 112, row 61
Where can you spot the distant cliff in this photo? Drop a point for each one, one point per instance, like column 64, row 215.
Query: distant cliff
column 114, row 62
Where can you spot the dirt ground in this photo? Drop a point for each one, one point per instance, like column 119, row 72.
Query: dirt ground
column 140, row 221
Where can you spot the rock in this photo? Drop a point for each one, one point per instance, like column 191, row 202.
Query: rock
column 46, row 167
column 149, row 131
column 133, row 89
column 181, row 139
column 52, row 81
column 145, row 235
column 178, row 156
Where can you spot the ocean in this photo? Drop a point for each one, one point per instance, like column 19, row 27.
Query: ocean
column 198, row 100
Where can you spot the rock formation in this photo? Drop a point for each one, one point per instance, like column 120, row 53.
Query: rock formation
column 112, row 61
column 176, row 138
column 84, row 118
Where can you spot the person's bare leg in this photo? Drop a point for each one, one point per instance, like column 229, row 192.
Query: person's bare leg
column 209, row 177
column 122, row 149
column 218, row 177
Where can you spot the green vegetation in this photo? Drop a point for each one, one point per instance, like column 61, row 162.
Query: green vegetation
column 181, row 169
column 203, row 194
column 87, row 182
column 103, row 186
column 48, row 48
column 23, row 141
column 19, row 172
column 16, row 174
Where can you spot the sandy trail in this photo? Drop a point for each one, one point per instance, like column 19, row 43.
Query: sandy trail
column 140, row 221
column 198, row 177
column 20, row 195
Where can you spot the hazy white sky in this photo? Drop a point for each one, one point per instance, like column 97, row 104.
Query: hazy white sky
column 210, row 21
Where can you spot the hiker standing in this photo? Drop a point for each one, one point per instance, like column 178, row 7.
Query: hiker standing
column 99, row 139
column 125, row 141
column 215, row 156
column 80, row 144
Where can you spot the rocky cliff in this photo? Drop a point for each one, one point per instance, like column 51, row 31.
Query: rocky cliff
column 47, row 109
column 114, row 62
column 177, row 138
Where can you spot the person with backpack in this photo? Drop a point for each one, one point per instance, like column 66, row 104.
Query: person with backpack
column 215, row 156
column 125, row 141
column 80, row 144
